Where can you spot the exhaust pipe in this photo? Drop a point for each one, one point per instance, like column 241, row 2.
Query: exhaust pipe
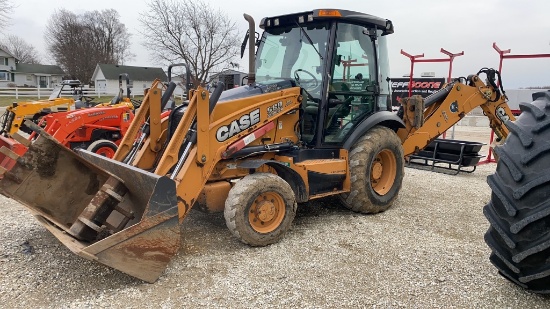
column 251, row 49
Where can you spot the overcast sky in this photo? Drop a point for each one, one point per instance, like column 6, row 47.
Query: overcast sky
column 421, row 26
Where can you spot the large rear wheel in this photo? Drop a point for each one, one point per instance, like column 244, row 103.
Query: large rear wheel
column 260, row 209
column 377, row 168
column 519, row 209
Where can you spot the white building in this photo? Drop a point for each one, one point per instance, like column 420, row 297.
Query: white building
column 7, row 66
column 230, row 78
column 28, row 75
column 34, row 75
column 106, row 77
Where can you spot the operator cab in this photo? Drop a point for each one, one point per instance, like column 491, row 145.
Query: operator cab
column 339, row 59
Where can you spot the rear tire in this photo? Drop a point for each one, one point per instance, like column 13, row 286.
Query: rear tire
column 519, row 209
column 377, row 166
column 260, row 209
column 103, row 147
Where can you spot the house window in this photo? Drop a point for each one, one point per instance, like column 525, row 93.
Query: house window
column 4, row 60
column 29, row 78
column 4, row 76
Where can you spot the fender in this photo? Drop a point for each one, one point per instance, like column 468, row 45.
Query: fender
column 289, row 175
column 383, row 118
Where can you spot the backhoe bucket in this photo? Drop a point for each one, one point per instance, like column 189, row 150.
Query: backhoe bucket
column 99, row 208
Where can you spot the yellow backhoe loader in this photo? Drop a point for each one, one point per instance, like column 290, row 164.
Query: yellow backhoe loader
column 306, row 126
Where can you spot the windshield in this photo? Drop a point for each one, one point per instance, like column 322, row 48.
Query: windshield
column 293, row 53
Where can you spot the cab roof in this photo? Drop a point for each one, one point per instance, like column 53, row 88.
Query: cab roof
column 327, row 14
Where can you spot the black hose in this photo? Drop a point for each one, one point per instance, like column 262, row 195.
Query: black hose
column 171, row 119
column 439, row 95
column 491, row 73
column 167, row 94
column 215, row 96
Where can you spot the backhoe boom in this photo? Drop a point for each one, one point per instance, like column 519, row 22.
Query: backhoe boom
column 425, row 120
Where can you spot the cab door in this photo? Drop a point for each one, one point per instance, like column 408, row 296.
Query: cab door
column 353, row 87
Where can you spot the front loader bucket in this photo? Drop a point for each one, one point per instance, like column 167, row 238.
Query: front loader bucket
column 99, row 208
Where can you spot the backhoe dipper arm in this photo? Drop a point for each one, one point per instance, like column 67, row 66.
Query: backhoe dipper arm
column 425, row 120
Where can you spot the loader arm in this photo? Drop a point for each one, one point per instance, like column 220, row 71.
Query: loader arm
column 144, row 140
column 153, row 95
column 202, row 150
column 425, row 120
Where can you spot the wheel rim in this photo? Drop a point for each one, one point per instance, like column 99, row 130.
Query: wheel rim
column 105, row 151
column 383, row 172
column 266, row 212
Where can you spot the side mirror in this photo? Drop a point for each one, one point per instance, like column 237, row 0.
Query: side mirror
column 245, row 41
column 338, row 60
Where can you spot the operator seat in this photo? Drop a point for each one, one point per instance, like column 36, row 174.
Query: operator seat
column 337, row 108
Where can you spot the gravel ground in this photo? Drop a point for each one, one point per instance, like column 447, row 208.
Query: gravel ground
column 427, row 251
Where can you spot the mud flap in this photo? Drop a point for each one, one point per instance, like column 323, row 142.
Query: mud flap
column 58, row 186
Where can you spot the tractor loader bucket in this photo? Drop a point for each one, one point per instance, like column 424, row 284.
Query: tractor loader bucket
column 99, row 208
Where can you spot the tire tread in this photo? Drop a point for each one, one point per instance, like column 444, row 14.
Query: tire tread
column 519, row 210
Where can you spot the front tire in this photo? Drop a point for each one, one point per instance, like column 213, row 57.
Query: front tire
column 519, row 209
column 377, row 167
column 103, row 147
column 260, row 209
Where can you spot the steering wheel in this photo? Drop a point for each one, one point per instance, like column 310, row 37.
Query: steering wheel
column 310, row 85
column 88, row 101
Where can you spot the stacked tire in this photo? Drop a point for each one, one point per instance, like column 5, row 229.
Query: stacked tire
column 519, row 209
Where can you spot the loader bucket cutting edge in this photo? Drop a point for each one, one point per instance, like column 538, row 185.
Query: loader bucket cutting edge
column 68, row 183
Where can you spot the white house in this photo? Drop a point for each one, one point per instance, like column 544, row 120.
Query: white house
column 7, row 66
column 24, row 74
column 106, row 77
column 35, row 75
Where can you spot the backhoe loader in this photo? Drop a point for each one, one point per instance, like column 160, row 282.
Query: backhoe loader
column 307, row 126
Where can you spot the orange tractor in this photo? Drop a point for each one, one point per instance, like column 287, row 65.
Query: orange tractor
column 98, row 129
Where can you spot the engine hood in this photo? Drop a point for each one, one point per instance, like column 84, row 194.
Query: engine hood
column 256, row 89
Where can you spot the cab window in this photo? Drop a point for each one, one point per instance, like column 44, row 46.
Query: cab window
column 351, row 90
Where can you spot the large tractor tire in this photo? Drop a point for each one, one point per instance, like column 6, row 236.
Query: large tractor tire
column 519, row 209
column 377, row 167
column 103, row 147
column 260, row 209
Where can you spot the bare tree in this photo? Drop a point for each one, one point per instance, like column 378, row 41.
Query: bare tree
column 5, row 9
column 23, row 51
column 79, row 42
column 191, row 31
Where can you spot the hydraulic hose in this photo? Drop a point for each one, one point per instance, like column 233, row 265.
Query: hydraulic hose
column 441, row 94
